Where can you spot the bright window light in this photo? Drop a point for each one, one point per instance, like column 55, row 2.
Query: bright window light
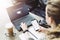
column 5, row 3
column 4, row 18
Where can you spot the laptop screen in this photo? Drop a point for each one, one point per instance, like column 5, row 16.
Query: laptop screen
column 18, row 11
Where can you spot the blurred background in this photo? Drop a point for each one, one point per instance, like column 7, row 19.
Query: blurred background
column 4, row 18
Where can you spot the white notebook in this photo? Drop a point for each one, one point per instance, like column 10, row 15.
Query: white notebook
column 39, row 35
column 24, row 36
column 32, row 34
column 35, row 25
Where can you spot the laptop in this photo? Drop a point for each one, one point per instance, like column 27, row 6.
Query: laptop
column 18, row 14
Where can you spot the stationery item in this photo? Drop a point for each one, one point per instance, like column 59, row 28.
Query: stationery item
column 37, row 35
column 35, row 25
column 24, row 36
column 32, row 34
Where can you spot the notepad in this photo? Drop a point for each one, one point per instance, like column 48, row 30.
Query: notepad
column 39, row 35
column 32, row 34
column 35, row 25
column 24, row 36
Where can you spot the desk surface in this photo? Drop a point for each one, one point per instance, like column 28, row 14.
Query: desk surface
column 4, row 37
column 3, row 31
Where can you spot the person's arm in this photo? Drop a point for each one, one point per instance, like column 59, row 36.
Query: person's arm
column 44, row 30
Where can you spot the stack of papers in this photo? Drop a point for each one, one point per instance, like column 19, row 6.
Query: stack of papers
column 24, row 36
column 32, row 34
column 40, row 36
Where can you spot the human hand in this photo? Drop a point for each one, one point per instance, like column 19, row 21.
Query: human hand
column 44, row 30
column 23, row 26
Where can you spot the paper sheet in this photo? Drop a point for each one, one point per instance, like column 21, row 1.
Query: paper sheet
column 35, row 25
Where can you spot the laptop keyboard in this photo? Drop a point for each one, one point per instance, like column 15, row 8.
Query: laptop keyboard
column 27, row 19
